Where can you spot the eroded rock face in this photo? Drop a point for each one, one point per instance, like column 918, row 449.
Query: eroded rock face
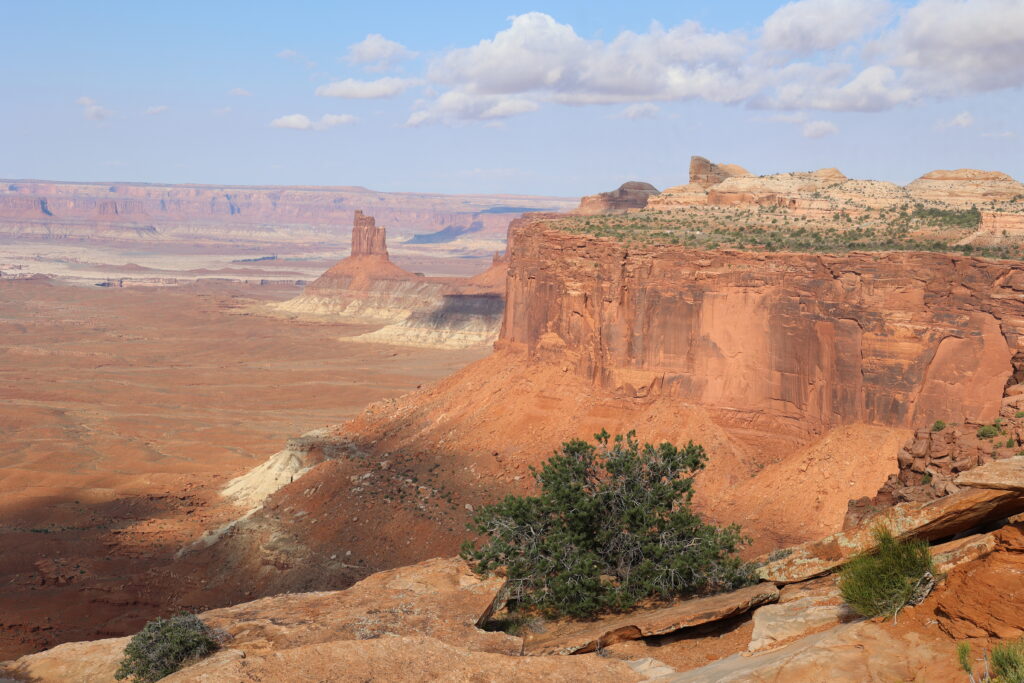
column 781, row 338
column 629, row 195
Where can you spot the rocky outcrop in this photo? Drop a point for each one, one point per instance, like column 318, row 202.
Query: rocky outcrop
column 705, row 174
column 966, row 186
column 579, row 637
column 416, row 310
column 793, row 341
column 417, row 623
column 932, row 520
column 630, row 195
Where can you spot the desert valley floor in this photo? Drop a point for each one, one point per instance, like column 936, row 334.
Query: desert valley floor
column 122, row 413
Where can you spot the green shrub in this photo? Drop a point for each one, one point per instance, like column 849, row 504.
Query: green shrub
column 938, row 426
column 1019, row 413
column 612, row 525
column 163, row 646
column 988, row 431
column 883, row 582
column 1008, row 661
column 1010, row 443
column 963, row 655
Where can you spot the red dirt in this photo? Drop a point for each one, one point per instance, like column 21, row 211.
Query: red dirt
column 124, row 411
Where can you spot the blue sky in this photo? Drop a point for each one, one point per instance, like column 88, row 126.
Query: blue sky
column 564, row 98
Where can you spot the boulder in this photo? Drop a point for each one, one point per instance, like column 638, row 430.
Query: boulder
column 1007, row 475
column 802, row 609
column 580, row 637
column 629, row 195
column 705, row 174
column 929, row 520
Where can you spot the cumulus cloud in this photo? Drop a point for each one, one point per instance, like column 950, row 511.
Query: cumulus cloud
column 819, row 129
column 92, row 110
column 644, row 110
column 809, row 55
column 811, row 25
column 157, row 109
column 377, row 53
column 364, row 90
column 303, row 122
column 962, row 120
column 947, row 47
column 239, row 92
column 294, row 56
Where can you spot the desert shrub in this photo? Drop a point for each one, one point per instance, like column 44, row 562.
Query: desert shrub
column 938, row 426
column 163, row 646
column 1010, row 443
column 988, row 431
column 612, row 525
column 883, row 582
column 1008, row 661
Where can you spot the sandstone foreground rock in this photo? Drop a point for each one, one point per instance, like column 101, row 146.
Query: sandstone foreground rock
column 580, row 637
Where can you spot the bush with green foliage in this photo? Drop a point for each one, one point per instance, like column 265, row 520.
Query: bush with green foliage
column 938, row 426
column 163, row 646
column 612, row 525
column 988, row 431
column 1006, row 659
column 881, row 583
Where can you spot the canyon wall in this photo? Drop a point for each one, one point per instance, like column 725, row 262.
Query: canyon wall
column 896, row 339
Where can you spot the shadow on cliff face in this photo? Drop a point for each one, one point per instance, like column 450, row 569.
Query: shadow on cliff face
column 78, row 570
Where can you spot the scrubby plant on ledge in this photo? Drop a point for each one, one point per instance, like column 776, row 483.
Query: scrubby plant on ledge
column 1005, row 664
column 881, row 583
column 163, row 646
column 612, row 525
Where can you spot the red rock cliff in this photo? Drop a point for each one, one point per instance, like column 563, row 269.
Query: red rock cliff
column 897, row 339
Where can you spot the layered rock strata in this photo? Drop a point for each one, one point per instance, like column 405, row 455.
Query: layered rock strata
column 779, row 340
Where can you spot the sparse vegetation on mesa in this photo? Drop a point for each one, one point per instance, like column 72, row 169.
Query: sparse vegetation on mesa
column 611, row 526
column 775, row 228
column 164, row 646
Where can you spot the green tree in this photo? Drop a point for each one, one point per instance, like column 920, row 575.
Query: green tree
column 612, row 525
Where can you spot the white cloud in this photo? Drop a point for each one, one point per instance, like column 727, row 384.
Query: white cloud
column 377, row 53
column 1002, row 134
column 303, row 122
column 962, row 120
column 239, row 92
column 947, row 47
column 355, row 89
column 287, row 54
column 222, row 111
column 819, row 129
column 644, row 110
column 454, row 106
column 809, row 55
column 93, row 111
column 812, row 25
column 157, row 109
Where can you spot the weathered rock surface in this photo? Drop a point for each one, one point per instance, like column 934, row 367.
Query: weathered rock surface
column 579, row 637
column 629, row 195
column 790, row 340
column 802, row 609
column 935, row 519
column 416, row 623
column 1006, row 475
column 706, row 174
column 850, row 653
column 966, row 185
